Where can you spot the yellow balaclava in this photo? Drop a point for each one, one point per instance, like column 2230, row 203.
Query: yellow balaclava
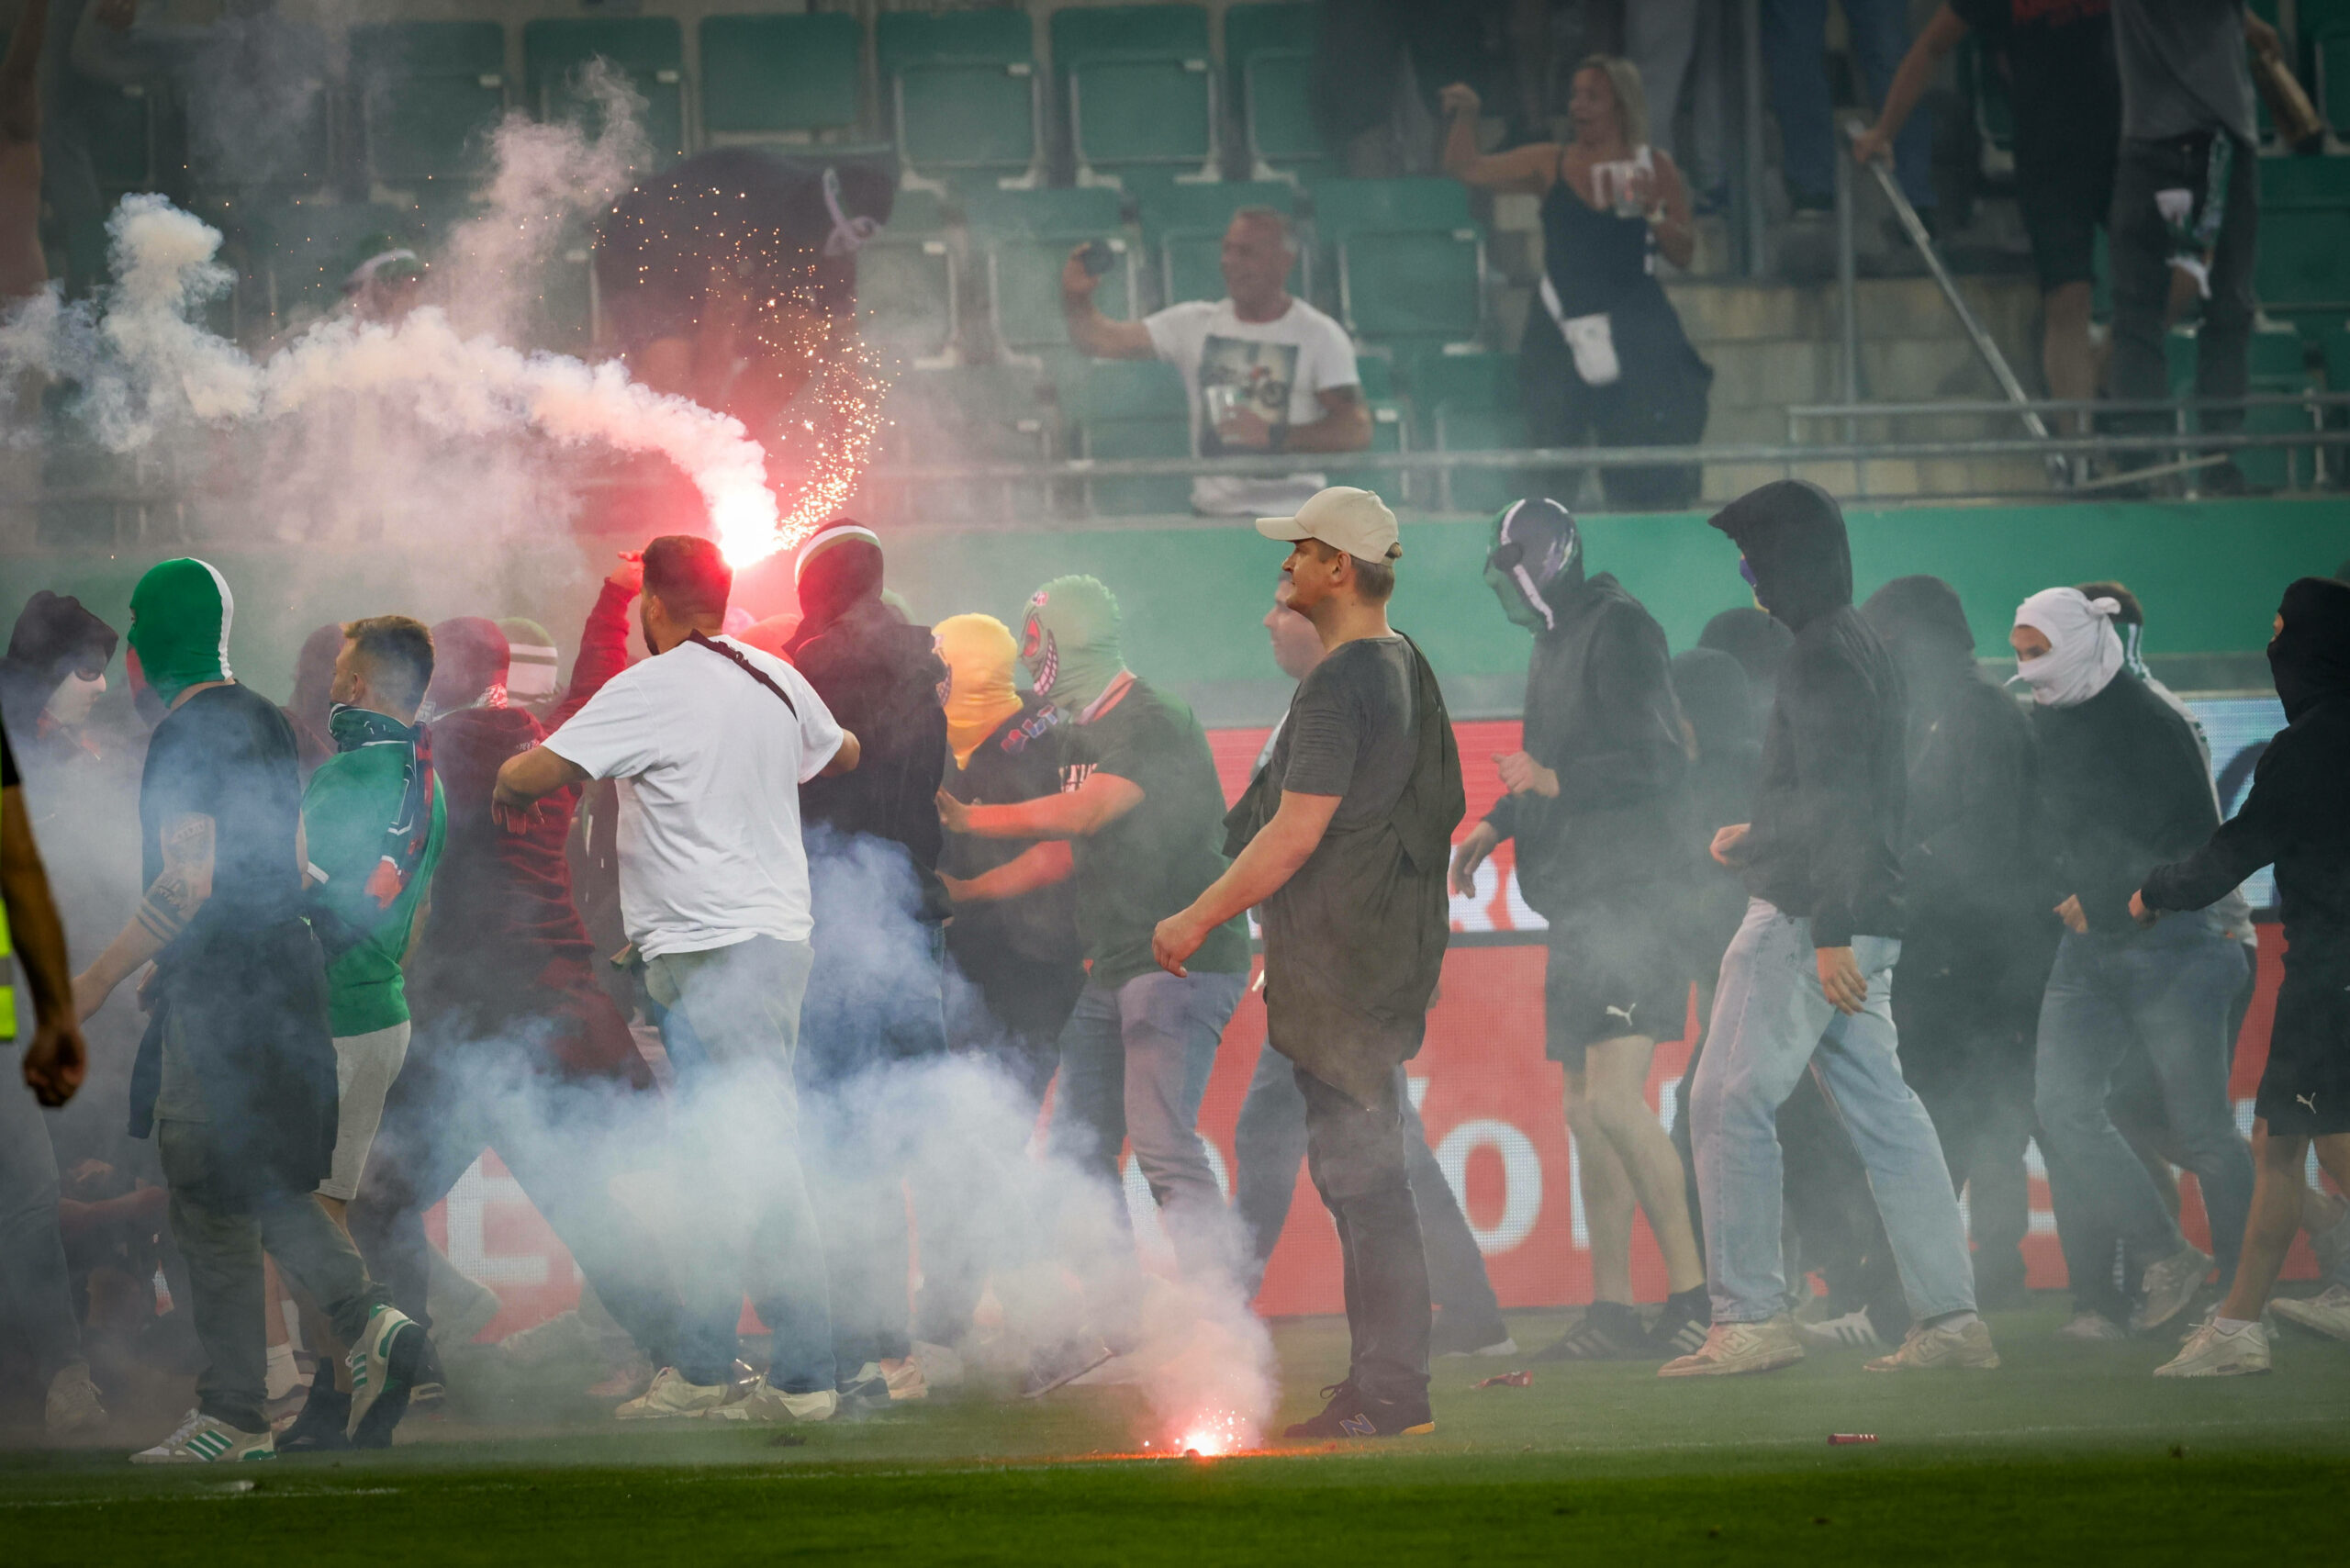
column 977, row 651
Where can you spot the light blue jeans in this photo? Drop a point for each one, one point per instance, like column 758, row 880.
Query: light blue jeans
column 1771, row 1022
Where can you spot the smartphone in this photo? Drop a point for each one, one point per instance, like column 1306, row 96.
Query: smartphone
column 1100, row 258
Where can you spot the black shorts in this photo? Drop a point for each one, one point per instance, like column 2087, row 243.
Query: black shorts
column 1610, row 973
column 2064, row 201
column 2305, row 1088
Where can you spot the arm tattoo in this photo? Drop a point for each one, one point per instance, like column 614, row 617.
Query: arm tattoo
column 172, row 900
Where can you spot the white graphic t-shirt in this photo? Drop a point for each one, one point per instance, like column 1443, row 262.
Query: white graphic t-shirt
column 1273, row 369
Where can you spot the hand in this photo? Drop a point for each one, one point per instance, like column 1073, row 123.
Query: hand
column 1177, row 939
column 56, row 1061
column 2075, row 919
column 1470, row 855
column 959, row 889
column 1728, row 848
column 1076, row 282
column 629, row 575
column 1841, row 979
column 2261, row 36
column 1458, row 99
column 1869, row 146
column 2140, row 912
column 1521, row 775
column 511, row 812
column 1245, row 427
column 1642, row 187
column 953, row 814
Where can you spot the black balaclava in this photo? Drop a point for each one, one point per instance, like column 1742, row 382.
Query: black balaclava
column 1792, row 535
column 839, row 569
column 1714, row 699
column 470, row 660
column 1535, row 566
column 2310, row 657
column 1924, row 628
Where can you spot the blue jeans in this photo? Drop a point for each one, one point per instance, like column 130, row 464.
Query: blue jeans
column 1135, row 1064
column 1771, row 1022
column 2168, row 989
column 1795, row 47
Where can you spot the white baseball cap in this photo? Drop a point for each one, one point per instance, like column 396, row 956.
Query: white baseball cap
column 1343, row 517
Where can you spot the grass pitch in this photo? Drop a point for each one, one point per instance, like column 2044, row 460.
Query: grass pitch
column 2070, row 1453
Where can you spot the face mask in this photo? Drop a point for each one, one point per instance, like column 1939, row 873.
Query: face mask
column 71, row 704
column 1536, row 561
column 352, row 727
column 2083, row 655
column 1070, row 641
column 180, row 614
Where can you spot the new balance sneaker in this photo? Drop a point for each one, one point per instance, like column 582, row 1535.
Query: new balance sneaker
column 1462, row 1335
column 382, row 1371
column 72, row 1404
column 1853, row 1331
column 2093, row 1328
column 1680, row 1328
column 2214, row 1351
column 1734, row 1347
column 672, row 1398
column 2325, row 1312
column 1925, row 1348
column 2168, row 1285
column 765, row 1401
column 1350, row 1415
column 203, row 1439
column 1610, row 1331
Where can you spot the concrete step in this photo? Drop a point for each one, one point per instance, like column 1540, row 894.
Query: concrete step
column 1715, row 311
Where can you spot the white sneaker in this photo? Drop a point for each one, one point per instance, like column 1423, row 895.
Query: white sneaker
column 905, row 1379
column 1733, row 1347
column 941, row 1364
column 1925, row 1348
column 2326, row 1312
column 2168, row 1285
column 767, row 1403
column 201, row 1439
column 1853, row 1331
column 383, row 1362
column 2214, row 1351
column 2094, row 1326
column 671, row 1399
column 72, row 1404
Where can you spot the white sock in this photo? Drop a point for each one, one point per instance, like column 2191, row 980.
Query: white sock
column 2232, row 1324
column 284, row 1375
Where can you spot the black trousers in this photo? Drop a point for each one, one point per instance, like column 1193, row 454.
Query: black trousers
column 1967, row 1049
column 2141, row 262
column 1355, row 1154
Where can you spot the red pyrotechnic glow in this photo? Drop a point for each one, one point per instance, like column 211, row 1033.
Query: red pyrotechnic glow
column 1210, row 1435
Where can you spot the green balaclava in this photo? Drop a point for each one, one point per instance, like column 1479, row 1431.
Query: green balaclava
column 179, row 626
column 1070, row 642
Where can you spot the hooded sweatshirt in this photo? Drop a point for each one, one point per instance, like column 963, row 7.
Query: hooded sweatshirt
column 1600, row 712
column 1759, row 645
column 1970, row 880
column 1824, row 843
column 880, row 678
column 2298, row 815
column 54, row 637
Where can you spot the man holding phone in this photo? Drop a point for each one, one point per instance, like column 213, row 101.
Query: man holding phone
column 1264, row 371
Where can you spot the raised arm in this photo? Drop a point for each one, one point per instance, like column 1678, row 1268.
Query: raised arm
column 1531, row 169
column 1092, row 332
column 1909, row 84
column 603, row 639
column 1080, row 812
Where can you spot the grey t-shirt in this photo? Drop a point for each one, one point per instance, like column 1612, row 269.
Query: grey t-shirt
column 2182, row 68
column 1349, row 731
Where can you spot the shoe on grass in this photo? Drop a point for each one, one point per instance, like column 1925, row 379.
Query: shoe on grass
column 1852, row 1331
column 1462, row 1335
column 1680, row 1328
column 2169, row 1284
column 1610, row 1331
column 2325, row 1312
column 2093, row 1328
column 865, row 1390
column 942, row 1365
column 205, row 1439
column 767, row 1403
column 672, row 1398
column 1925, row 1348
column 323, row 1426
column 72, row 1404
column 906, row 1379
column 1350, row 1415
column 2214, row 1351
column 1734, row 1347
column 383, row 1373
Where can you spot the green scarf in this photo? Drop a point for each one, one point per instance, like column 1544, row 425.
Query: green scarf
column 179, row 626
column 1070, row 644
column 340, row 916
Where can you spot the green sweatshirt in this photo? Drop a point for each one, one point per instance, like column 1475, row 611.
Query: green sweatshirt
column 350, row 798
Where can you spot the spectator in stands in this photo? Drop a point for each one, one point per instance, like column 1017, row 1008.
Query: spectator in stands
column 1795, row 47
column 1599, row 804
column 2066, row 96
column 2125, row 789
column 1264, row 372
column 2185, row 199
column 1605, row 358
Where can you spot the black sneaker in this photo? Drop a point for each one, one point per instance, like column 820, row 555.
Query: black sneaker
column 864, row 1392
column 1462, row 1335
column 1350, row 1415
column 431, row 1384
column 1680, row 1329
column 1610, row 1331
column 318, row 1428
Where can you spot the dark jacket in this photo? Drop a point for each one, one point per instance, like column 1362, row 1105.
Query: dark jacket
column 1712, row 690
column 2298, row 815
column 1019, row 761
column 880, row 678
column 2125, row 789
column 1827, row 810
column 1600, row 712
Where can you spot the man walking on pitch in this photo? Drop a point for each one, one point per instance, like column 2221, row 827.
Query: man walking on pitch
column 1343, row 839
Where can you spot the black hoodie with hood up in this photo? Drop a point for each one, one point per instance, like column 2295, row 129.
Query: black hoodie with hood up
column 1600, row 712
column 2298, row 815
column 1825, row 841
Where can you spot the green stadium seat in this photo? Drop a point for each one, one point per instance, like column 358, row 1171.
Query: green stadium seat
column 1343, row 207
column 1130, row 389
column 2304, row 182
column 982, row 413
column 2329, row 60
column 2276, row 362
column 1147, row 74
column 2304, row 255
column 906, row 291
column 1416, row 284
column 650, row 51
column 1378, row 374
column 1025, row 237
column 1134, row 409
column 1277, row 111
column 962, row 89
column 305, row 250
column 430, row 95
column 1430, row 378
column 914, row 210
column 1254, row 28
column 771, row 75
column 1390, row 431
column 1463, row 428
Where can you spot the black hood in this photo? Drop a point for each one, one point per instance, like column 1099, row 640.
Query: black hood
column 2311, row 657
column 847, row 574
column 1748, row 635
column 1792, row 534
column 1924, row 627
column 1714, row 699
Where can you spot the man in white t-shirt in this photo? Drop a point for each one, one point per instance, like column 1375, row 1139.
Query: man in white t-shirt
column 710, row 740
column 1263, row 372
